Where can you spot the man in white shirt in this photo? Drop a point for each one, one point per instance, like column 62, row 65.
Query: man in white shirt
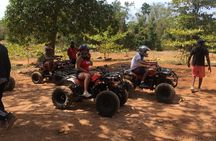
column 138, row 65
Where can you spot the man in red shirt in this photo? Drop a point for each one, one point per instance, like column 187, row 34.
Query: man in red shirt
column 72, row 51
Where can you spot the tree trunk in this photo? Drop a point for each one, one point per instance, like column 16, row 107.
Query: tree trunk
column 54, row 30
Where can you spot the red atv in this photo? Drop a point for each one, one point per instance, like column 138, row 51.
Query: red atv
column 162, row 80
column 60, row 68
column 106, row 88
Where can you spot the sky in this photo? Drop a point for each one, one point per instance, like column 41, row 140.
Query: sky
column 3, row 5
column 137, row 4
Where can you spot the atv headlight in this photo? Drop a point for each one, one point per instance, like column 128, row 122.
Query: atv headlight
column 166, row 71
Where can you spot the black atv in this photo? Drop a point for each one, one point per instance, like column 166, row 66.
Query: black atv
column 106, row 88
column 162, row 80
column 60, row 69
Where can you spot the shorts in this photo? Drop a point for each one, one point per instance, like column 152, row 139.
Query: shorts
column 139, row 70
column 198, row 71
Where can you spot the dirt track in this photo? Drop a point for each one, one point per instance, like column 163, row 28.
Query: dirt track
column 142, row 118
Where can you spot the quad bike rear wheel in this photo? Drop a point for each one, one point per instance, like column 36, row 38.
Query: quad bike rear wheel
column 165, row 93
column 10, row 84
column 37, row 78
column 61, row 97
column 107, row 103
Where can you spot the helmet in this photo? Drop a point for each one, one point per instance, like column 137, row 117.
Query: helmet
column 72, row 44
column 200, row 42
column 143, row 49
column 83, row 48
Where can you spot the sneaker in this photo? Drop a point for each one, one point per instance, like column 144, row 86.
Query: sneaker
column 143, row 85
column 86, row 94
column 10, row 119
column 192, row 89
column 199, row 90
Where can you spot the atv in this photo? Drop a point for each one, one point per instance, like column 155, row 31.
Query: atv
column 60, row 68
column 162, row 80
column 107, row 90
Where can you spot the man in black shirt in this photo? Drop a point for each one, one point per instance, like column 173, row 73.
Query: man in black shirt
column 198, row 55
column 6, row 119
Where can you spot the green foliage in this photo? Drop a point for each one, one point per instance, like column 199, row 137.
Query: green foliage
column 2, row 30
column 40, row 21
column 190, row 23
column 106, row 41
column 153, row 20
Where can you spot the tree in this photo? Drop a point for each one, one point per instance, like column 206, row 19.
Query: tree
column 153, row 20
column 43, row 20
column 106, row 42
column 121, row 14
column 2, row 30
column 191, row 22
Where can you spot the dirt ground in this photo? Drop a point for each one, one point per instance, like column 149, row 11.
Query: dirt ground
column 141, row 119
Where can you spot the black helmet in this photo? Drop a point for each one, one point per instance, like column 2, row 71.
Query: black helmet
column 143, row 49
column 200, row 42
column 72, row 44
column 83, row 48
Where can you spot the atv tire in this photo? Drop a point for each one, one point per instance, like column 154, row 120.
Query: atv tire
column 129, row 87
column 10, row 84
column 165, row 93
column 37, row 78
column 107, row 103
column 123, row 97
column 61, row 97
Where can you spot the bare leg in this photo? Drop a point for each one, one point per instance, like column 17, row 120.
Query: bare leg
column 86, row 78
column 200, row 83
column 86, row 82
column 192, row 86
column 144, row 76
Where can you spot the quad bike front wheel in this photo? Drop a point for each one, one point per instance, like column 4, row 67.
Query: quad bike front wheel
column 107, row 103
column 165, row 93
column 37, row 78
column 61, row 97
column 129, row 87
column 10, row 84
column 123, row 97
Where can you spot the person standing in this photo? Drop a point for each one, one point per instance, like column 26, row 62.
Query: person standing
column 6, row 119
column 72, row 52
column 198, row 55
column 49, row 57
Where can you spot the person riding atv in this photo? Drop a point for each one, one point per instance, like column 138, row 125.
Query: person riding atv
column 149, row 75
column 139, row 66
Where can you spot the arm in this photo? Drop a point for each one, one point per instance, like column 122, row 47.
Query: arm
column 188, row 62
column 68, row 53
column 8, row 65
column 208, row 61
column 146, row 64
